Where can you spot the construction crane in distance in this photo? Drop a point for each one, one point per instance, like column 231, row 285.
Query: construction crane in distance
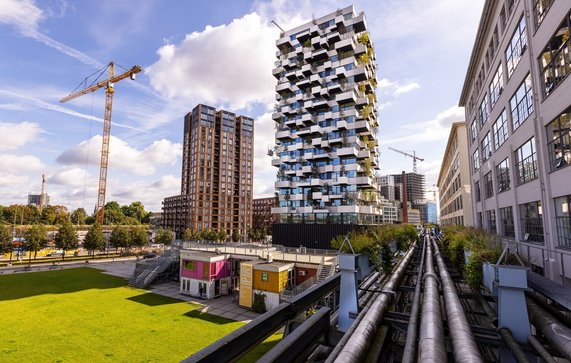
column 413, row 156
column 108, row 84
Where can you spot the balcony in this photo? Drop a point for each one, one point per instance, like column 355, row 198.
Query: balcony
column 283, row 135
column 347, row 151
column 283, row 184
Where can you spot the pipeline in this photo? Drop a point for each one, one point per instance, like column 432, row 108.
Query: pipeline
column 411, row 334
column 513, row 345
column 543, row 353
column 556, row 333
column 354, row 347
column 364, row 295
column 464, row 345
column 432, row 346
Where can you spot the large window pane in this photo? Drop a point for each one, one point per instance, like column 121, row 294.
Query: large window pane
column 559, row 140
column 500, row 130
column 497, row 85
column 517, row 46
column 507, row 222
column 488, row 185
column 503, row 175
column 486, row 146
column 522, row 103
column 555, row 60
column 563, row 220
column 532, row 221
column 539, row 10
column 491, row 220
column 526, row 162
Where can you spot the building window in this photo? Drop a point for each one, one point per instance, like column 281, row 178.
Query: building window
column 488, row 185
column 526, row 162
column 559, row 140
column 479, row 220
column 531, row 221
column 522, row 103
column 477, row 191
column 507, row 222
column 264, row 276
column 491, row 217
column 486, row 146
column 476, row 160
column 473, row 131
column 484, row 112
column 563, row 220
column 503, row 175
column 554, row 61
column 497, row 85
column 540, row 8
column 517, row 47
column 500, row 130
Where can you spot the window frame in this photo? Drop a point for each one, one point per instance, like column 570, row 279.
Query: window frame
column 560, row 141
column 532, row 226
column 496, row 85
column 500, row 133
column 521, row 159
column 522, row 103
column 503, row 175
column 518, row 43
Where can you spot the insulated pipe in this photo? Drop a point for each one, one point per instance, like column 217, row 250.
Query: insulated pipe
column 543, row 353
column 556, row 333
column 464, row 345
column 513, row 345
column 411, row 334
column 354, row 348
column 431, row 345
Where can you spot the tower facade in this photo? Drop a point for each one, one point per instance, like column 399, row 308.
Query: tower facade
column 326, row 122
column 217, row 172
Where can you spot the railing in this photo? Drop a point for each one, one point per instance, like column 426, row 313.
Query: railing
column 288, row 294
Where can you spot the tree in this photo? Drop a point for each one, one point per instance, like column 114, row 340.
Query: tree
column 66, row 238
column 164, row 236
column 78, row 216
column 137, row 211
column 94, row 239
column 139, row 237
column 188, row 234
column 235, row 236
column 35, row 239
column 113, row 213
column 119, row 238
column 6, row 241
column 222, row 235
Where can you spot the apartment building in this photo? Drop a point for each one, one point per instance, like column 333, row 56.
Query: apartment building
column 262, row 217
column 454, row 180
column 326, row 122
column 217, row 169
column 518, row 107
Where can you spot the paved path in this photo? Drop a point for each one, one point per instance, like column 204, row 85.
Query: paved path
column 220, row 306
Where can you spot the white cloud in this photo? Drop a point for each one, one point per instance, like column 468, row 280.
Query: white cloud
column 18, row 134
column 69, row 177
column 122, row 156
column 168, row 182
column 264, row 139
column 151, row 194
column 224, row 65
column 10, row 163
column 405, row 88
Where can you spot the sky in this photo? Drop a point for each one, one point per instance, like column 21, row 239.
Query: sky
column 219, row 53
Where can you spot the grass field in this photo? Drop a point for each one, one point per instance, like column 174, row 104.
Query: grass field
column 80, row 315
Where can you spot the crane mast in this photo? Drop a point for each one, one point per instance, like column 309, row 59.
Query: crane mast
column 413, row 156
column 43, row 192
column 104, row 163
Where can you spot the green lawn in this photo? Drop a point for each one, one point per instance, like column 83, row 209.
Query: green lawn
column 83, row 315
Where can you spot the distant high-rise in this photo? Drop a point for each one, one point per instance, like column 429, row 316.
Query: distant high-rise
column 414, row 187
column 217, row 170
column 326, row 120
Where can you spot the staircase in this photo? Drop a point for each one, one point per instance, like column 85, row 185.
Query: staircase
column 146, row 272
column 324, row 271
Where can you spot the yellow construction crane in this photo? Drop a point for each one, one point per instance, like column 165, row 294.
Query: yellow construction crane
column 413, row 156
column 108, row 84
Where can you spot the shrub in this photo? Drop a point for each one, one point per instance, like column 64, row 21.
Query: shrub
column 259, row 304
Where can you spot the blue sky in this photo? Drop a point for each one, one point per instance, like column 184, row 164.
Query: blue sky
column 215, row 52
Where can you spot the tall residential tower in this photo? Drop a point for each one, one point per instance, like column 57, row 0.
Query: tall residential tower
column 326, row 123
column 217, row 169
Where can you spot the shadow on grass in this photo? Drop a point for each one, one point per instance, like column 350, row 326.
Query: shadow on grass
column 195, row 314
column 151, row 299
column 19, row 286
column 259, row 350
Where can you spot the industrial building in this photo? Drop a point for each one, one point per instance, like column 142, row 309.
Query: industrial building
column 217, row 169
column 516, row 97
column 454, row 180
column 326, row 120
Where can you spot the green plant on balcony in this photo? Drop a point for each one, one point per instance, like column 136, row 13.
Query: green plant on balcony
column 367, row 166
column 363, row 59
column 367, row 111
column 306, row 43
column 372, row 97
column 362, row 87
column 342, row 169
column 314, row 171
column 364, row 38
column 373, row 82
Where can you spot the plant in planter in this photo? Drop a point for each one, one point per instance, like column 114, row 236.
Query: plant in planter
column 259, row 304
